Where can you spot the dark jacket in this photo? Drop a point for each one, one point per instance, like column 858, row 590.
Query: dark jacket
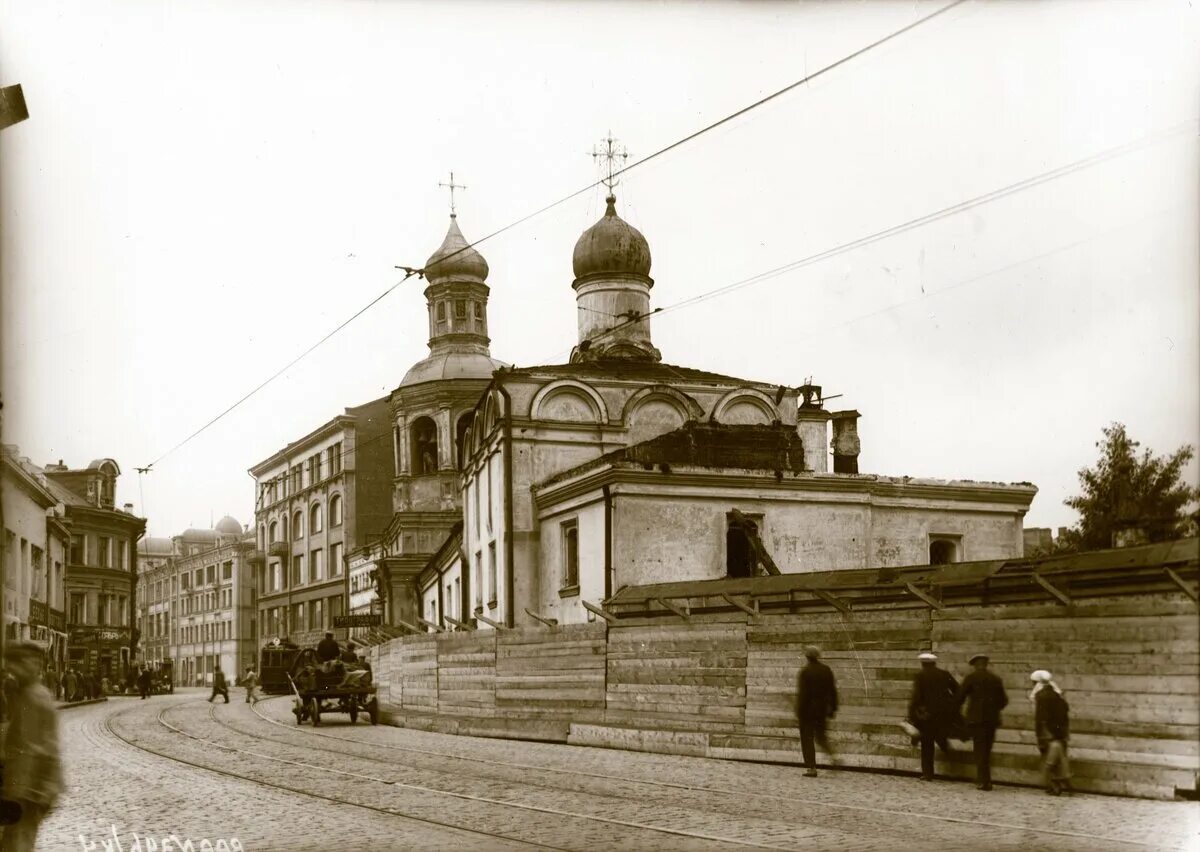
column 932, row 704
column 985, row 697
column 219, row 681
column 1051, row 716
column 816, row 692
column 328, row 649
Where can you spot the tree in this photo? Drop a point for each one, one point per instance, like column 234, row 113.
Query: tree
column 1125, row 490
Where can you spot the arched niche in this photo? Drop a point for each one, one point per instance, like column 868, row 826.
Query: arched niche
column 462, row 437
column 745, row 407
column 656, row 410
column 423, row 446
column 569, row 401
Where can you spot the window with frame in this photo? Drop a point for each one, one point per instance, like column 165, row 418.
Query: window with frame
column 317, row 564
column 297, row 480
column 335, row 510
column 297, row 526
column 460, row 309
column 210, row 574
column 570, row 553
column 298, row 578
column 335, row 459
column 78, row 549
column 478, row 573
column 104, row 551
column 273, row 536
column 78, row 608
column 120, row 554
column 102, row 610
column 335, row 559
column 315, row 519
column 227, row 570
column 945, row 549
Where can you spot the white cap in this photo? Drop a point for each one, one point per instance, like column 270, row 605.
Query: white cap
column 1040, row 676
column 927, row 657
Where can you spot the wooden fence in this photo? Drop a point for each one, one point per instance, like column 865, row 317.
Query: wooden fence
column 722, row 683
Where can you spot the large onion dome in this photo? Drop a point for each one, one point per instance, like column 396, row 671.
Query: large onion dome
column 612, row 245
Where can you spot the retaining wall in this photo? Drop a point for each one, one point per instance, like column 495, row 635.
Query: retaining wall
column 723, row 685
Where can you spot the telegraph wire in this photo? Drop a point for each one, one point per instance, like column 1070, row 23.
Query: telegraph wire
column 928, row 218
column 411, row 271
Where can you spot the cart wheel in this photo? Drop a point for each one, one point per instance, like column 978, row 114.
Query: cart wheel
column 373, row 709
column 314, row 710
column 353, row 713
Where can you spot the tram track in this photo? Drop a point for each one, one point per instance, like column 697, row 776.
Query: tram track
column 419, row 788
column 790, row 801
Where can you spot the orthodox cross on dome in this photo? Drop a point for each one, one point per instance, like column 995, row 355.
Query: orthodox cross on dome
column 452, row 186
column 607, row 156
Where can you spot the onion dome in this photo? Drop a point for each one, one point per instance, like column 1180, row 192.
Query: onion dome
column 228, row 526
column 610, row 246
column 455, row 259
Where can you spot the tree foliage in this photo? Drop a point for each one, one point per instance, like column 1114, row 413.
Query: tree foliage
column 1126, row 489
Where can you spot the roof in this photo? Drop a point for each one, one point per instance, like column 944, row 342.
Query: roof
column 152, row 546
column 451, row 365
column 714, row 445
column 632, row 370
column 1122, row 570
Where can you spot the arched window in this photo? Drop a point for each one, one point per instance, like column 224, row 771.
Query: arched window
column 460, row 437
column 335, row 510
column 297, row 526
column 274, row 534
column 943, row 551
column 262, row 536
column 314, row 519
column 424, row 446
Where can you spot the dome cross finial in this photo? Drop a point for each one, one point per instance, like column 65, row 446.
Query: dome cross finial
column 452, row 186
column 607, row 158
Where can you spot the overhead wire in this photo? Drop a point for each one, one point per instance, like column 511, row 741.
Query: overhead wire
column 919, row 221
column 411, row 271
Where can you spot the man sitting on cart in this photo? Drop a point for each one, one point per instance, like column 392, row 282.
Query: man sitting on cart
column 328, row 649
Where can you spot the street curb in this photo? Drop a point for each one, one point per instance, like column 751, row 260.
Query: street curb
column 81, row 703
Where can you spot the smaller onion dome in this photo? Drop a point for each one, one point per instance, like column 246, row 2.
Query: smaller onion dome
column 228, row 525
column 455, row 258
column 612, row 245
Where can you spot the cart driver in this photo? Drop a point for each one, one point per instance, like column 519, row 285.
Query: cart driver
column 327, row 649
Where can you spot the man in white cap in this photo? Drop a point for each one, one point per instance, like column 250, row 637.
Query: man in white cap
column 816, row 702
column 983, row 692
column 32, row 767
column 932, row 709
column 1051, row 721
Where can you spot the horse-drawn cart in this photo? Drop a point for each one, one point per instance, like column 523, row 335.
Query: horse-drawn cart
column 321, row 689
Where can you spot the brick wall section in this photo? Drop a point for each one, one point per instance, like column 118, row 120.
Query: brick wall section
column 556, row 674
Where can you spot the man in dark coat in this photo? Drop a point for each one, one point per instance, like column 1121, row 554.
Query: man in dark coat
column 985, row 697
column 69, row 685
column 932, row 709
column 220, row 687
column 1051, row 722
column 33, row 767
column 327, row 649
column 816, row 703
column 143, row 683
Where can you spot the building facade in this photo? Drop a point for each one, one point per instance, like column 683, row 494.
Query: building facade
column 317, row 500
column 101, row 569
column 197, row 605
column 36, row 543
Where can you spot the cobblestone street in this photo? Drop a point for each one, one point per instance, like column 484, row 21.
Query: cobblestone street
column 178, row 766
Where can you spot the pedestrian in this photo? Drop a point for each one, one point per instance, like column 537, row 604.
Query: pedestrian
column 816, row 704
column 143, row 683
column 983, row 692
column 32, row 769
column 69, row 685
column 932, row 709
column 220, row 687
column 1051, row 721
column 250, row 681
column 348, row 655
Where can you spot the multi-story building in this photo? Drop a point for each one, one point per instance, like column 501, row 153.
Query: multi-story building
column 153, row 606
column 317, row 500
column 36, row 540
column 197, row 606
column 101, row 568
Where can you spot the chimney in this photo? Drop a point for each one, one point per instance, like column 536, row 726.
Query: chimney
column 846, row 445
column 812, row 423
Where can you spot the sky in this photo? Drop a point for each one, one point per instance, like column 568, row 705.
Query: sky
column 202, row 191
